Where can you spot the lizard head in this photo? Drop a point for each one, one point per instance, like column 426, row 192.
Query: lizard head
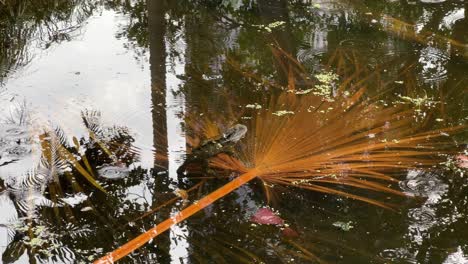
column 235, row 133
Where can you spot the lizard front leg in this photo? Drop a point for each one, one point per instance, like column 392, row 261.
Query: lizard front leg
column 206, row 167
column 230, row 151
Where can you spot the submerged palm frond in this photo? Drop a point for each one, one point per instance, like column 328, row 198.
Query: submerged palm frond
column 330, row 134
column 318, row 143
column 318, row 137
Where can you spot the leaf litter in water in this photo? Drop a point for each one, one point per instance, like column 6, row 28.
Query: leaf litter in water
column 265, row 216
column 254, row 106
column 462, row 161
column 289, row 232
column 75, row 199
column 283, row 112
column 345, row 226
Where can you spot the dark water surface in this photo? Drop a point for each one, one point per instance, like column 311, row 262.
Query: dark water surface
column 144, row 75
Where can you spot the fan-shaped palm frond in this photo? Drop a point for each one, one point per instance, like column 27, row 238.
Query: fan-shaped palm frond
column 320, row 138
column 353, row 144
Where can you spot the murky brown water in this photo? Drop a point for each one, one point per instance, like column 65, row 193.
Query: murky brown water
column 114, row 94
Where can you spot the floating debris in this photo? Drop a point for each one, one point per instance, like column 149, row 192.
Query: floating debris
column 86, row 209
column 327, row 77
column 345, row 226
column 303, row 91
column 283, row 112
column 37, row 237
column 75, row 199
column 419, row 101
column 455, row 164
column 210, row 78
column 254, row 106
column 270, row 26
column 325, row 88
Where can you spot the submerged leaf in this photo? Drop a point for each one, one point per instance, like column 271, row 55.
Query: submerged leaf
column 462, row 161
column 265, row 216
column 289, row 232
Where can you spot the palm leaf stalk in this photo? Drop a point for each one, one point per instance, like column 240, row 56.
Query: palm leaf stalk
column 179, row 217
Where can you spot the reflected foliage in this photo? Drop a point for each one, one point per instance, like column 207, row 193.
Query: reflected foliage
column 135, row 29
column 401, row 71
column 51, row 199
column 27, row 25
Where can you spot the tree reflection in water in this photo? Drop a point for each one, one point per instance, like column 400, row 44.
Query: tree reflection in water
column 229, row 63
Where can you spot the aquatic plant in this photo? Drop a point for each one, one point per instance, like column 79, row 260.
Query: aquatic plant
column 56, row 155
column 67, row 174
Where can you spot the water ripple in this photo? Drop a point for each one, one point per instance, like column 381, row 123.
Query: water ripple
column 434, row 62
column 423, row 216
column 396, row 254
column 424, row 184
column 113, row 172
column 12, row 132
column 14, row 142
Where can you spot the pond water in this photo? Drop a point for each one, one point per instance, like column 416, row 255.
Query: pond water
column 103, row 101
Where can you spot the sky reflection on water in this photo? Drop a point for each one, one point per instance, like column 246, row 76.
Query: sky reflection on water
column 109, row 67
